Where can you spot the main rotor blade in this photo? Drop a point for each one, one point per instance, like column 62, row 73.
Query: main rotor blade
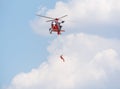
column 62, row 16
column 49, row 20
column 45, row 17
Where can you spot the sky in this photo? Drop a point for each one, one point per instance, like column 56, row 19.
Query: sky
column 21, row 48
column 90, row 45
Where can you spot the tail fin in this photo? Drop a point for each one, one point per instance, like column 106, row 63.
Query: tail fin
column 59, row 32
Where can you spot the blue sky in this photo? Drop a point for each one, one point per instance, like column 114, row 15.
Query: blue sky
column 90, row 24
column 21, row 48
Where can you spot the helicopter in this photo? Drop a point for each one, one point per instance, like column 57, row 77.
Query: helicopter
column 55, row 24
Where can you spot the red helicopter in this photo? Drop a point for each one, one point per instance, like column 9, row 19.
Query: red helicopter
column 55, row 24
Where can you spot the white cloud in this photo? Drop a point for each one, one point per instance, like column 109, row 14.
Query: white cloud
column 90, row 15
column 91, row 62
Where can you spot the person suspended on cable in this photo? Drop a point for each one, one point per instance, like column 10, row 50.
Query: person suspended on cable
column 62, row 58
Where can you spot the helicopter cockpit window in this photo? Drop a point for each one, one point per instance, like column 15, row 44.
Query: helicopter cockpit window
column 54, row 23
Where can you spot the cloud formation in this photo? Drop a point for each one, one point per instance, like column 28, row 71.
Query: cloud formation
column 84, row 15
column 91, row 62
